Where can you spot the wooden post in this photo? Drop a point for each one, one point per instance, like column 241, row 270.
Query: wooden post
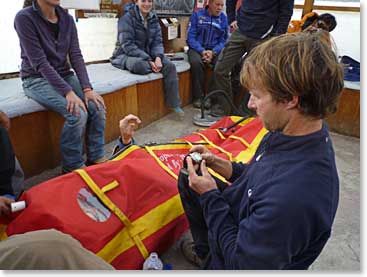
column 307, row 7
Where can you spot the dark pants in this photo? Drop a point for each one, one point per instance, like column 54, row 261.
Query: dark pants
column 194, row 213
column 170, row 79
column 7, row 163
column 237, row 45
column 198, row 73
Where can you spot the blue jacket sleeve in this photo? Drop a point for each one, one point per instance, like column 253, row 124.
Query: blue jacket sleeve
column 231, row 10
column 267, row 239
column 127, row 39
column 285, row 14
column 157, row 49
column 224, row 38
column 192, row 41
column 237, row 170
column 120, row 145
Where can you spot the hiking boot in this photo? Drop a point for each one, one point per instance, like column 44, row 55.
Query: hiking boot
column 98, row 161
column 188, row 251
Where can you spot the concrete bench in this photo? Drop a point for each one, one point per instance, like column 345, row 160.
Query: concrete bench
column 35, row 130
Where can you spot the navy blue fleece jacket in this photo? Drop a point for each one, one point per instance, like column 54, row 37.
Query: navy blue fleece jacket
column 257, row 19
column 279, row 210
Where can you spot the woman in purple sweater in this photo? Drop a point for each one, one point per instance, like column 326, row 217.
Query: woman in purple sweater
column 49, row 49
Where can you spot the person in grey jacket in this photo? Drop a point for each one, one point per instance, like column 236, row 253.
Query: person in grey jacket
column 140, row 50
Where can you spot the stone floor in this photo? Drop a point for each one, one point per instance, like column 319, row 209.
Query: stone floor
column 342, row 252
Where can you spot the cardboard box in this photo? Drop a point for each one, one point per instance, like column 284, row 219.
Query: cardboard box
column 171, row 28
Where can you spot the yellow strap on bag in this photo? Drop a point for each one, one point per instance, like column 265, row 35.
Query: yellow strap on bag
column 161, row 164
column 246, row 156
column 153, row 222
column 132, row 230
column 229, row 154
column 220, row 134
column 185, row 141
column 244, row 142
column 126, row 152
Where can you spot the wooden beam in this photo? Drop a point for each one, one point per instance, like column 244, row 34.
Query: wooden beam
column 331, row 8
column 308, row 7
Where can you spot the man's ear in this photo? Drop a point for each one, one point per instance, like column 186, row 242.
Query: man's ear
column 293, row 103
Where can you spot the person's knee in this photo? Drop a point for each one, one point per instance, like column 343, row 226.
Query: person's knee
column 221, row 69
column 79, row 121
column 183, row 183
column 97, row 112
column 169, row 66
column 141, row 67
column 196, row 63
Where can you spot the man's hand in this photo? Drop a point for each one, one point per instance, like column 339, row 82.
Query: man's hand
column 207, row 56
column 233, row 26
column 4, row 121
column 5, row 205
column 73, row 103
column 127, row 127
column 208, row 156
column 218, row 164
column 200, row 184
column 158, row 63
column 91, row 95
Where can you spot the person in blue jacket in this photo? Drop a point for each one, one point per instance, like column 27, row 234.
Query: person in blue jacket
column 278, row 211
column 140, row 50
column 207, row 33
column 254, row 22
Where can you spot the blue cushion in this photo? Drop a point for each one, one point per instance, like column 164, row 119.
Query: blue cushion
column 104, row 77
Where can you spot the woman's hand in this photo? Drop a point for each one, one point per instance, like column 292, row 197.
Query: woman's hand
column 158, row 63
column 91, row 95
column 154, row 67
column 74, row 103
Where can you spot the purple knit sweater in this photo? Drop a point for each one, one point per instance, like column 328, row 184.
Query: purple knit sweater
column 45, row 56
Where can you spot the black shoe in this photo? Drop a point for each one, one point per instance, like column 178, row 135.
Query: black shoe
column 197, row 103
column 217, row 111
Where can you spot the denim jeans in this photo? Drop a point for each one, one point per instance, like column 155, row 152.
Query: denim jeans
column 71, row 140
